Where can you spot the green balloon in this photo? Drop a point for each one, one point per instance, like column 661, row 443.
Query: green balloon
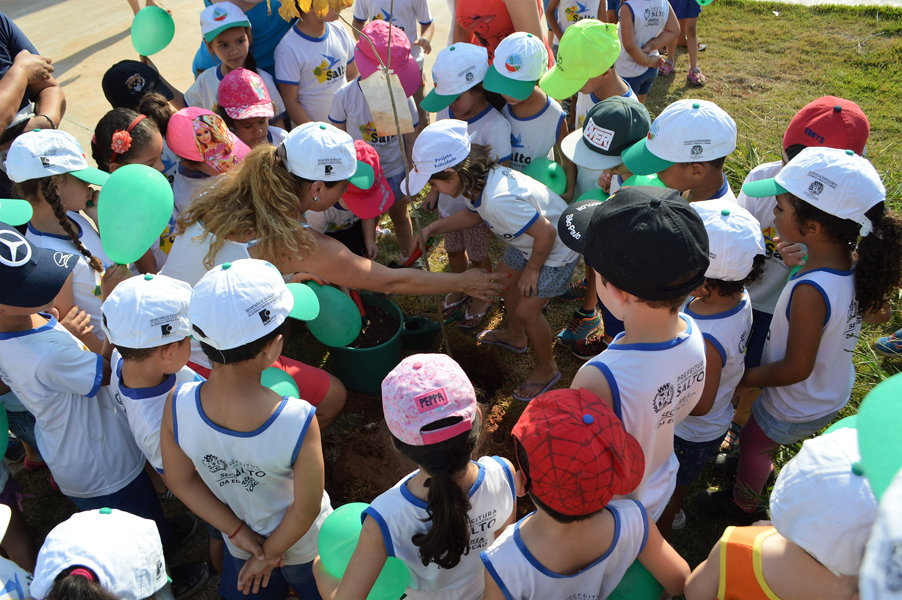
column 650, row 180
column 133, row 209
column 280, row 382
column 879, row 442
column 548, row 173
column 392, row 581
column 850, row 422
column 637, row 584
column 306, row 304
column 4, row 428
column 152, row 30
column 15, row 212
column 338, row 322
column 596, row 194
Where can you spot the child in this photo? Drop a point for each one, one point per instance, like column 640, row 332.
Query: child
column 458, row 74
column 611, row 126
column 653, row 373
column 247, row 109
column 313, row 60
column 437, row 519
column 227, row 34
column 561, row 14
column 687, row 146
column 128, row 81
column 243, row 459
column 538, row 123
column 687, row 12
column 522, row 212
column 645, row 26
column 822, row 510
column 574, row 457
column 723, row 312
column 350, row 112
column 50, row 171
column 826, row 199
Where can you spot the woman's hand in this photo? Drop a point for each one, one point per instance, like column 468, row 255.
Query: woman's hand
column 77, row 322
column 529, row 281
column 481, row 284
column 794, row 255
column 37, row 68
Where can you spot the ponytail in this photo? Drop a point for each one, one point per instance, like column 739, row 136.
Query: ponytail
column 157, row 108
column 448, row 505
column 879, row 268
column 78, row 586
column 119, row 119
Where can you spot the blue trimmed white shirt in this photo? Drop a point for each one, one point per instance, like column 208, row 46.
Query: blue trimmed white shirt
column 204, row 92
column 534, row 137
column 407, row 15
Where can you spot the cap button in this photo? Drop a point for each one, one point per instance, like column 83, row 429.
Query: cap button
column 322, row 126
column 850, row 153
column 38, row 130
column 106, row 511
column 226, row 266
column 696, row 105
column 528, row 35
column 856, row 469
column 654, row 202
column 725, row 212
column 588, row 419
column 418, row 365
column 148, row 276
column 452, row 48
column 837, row 108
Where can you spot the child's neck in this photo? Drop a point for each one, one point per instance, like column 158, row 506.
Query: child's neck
column 707, row 189
column 140, row 375
column 643, row 324
column 311, row 26
column 416, row 484
column 45, row 221
column 610, row 87
column 16, row 323
column 824, row 253
column 233, row 398
column 532, row 105
column 224, row 70
column 714, row 303
column 566, row 549
column 478, row 106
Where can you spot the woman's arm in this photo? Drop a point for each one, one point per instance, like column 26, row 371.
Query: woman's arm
column 525, row 17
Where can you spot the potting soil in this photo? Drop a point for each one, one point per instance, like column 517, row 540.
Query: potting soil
column 381, row 328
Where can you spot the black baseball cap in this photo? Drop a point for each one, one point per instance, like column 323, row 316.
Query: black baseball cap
column 30, row 276
column 611, row 126
column 641, row 239
column 126, row 82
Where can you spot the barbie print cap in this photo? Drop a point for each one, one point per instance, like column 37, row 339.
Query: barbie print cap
column 441, row 145
column 457, row 69
column 46, row 152
column 147, row 312
column 322, row 152
column 424, row 389
column 839, row 182
column 734, row 238
column 199, row 135
column 218, row 17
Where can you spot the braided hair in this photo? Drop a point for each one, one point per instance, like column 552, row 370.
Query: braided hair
column 48, row 189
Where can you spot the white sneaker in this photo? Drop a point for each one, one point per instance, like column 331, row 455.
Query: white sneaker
column 679, row 521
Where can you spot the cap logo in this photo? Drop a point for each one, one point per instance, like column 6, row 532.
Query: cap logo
column 260, row 308
column 431, row 400
column 513, row 63
column 598, row 136
column 653, row 130
column 13, row 243
column 813, row 134
column 220, row 13
column 45, row 162
column 265, row 315
column 328, row 169
column 62, row 260
column 135, row 83
column 816, row 188
column 469, row 77
column 696, row 150
column 166, row 329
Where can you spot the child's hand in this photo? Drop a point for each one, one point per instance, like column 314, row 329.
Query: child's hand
column 418, row 241
column 430, row 201
column 250, row 541
column 604, row 182
column 424, row 44
column 256, row 572
column 529, row 281
column 793, row 255
column 302, row 277
column 372, row 250
column 77, row 322
column 654, row 61
column 112, row 277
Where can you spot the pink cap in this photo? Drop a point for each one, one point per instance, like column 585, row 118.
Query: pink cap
column 423, row 389
column 243, row 95
column 378, row 198
column 202, row 136
column 402, row 63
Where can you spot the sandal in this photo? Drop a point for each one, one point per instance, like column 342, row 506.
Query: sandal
column 449, row 309
column 473, row 321
column 732, row 438
column 539, row 388
column 482, row 338
column 696, row 77
column 666, row 69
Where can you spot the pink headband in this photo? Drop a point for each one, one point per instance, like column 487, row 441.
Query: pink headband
column 80, row 572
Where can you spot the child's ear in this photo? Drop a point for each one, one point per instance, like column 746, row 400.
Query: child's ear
column 702, row 291
column 698, row 170
column 273, row 348
column 167, row 351
column 520, row 484
column 114, row 166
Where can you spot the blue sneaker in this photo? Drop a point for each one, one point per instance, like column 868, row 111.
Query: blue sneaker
column 890, row 345
column 580, row 328
column 576, row 291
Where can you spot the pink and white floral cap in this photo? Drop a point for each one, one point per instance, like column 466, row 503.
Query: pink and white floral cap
column 423, row 389
column 243, row 95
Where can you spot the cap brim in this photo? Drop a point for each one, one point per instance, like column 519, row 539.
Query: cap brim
column 370, row 203
column 249, row 112
column 91, row 175
column 576, row 150
column 496, row 82
column 573, row 225
column 640, row 161
column 306, row 303
column 363, row 177
column 45, row 280
column 763, row 188
column 15, row 212
column 211, row 35
column 415, row 183
column 559, row 87
column 434, row 103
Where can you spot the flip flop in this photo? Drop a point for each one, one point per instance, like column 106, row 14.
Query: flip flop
column 476, row 319
column 545, row 387
column 450, row 309
column 482, row 339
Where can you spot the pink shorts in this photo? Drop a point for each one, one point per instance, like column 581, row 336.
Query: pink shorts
column 474, row 240
column 313, row 384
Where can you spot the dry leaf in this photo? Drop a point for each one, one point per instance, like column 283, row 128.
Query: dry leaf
column 293, row 9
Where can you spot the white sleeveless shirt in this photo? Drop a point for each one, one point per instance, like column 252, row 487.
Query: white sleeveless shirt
column 251, row 472
column 649, row 19
column 534, row 137
column 521, row 577
column 829, row 386
column 654, row 387
column 400, row 515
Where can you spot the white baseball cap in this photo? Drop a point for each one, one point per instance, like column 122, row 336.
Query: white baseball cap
column 441, row 145
column 881, row 570
column 457, row 68
column 734, row 239
column 123, row 550
column 238, row 303
column 823, row 503
column 218, row 17
column 322, row 152
column 147, row 312
column 839, row 182
column 520, row 61
column 687, row 131
column 45, row 152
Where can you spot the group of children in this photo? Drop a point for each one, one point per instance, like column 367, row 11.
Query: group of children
column 137, row 383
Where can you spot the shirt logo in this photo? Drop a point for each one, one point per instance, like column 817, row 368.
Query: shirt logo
column 598, row 136
column 431, row 400
column 513, row 63
column 324, row 72
column 516, row 141
column 663, row 398
column 246, row 475
column 14, row 250
column 574, row 13
column 62, row 260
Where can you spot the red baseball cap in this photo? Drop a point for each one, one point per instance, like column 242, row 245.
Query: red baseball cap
column 829, row 122
column 579, row 454
column 378, row 198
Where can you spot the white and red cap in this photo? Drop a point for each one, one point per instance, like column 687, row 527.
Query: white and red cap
column 220, row 16
column 424, row 389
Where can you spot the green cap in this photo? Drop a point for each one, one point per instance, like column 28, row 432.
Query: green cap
column 588, row 49
column 363, row 177
column 15, row 212
column 92, row 176
column 763, row 188
column 500, row 84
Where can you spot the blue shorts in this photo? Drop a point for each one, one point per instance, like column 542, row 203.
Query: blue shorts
column 760, row 328
column 553, row 281
column 693, row 457
column 298, row 577
column 686, row 9
column 784, row 432
column 21, row 423
column 641, row 84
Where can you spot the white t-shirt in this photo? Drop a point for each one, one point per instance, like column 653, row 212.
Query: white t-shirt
column 828, row 387
column 204, row 92
column 163, row 244
column 511, row 202
column 649, row 19
column 725, row 192
column 316, row 65
column 406, row 16
column 350, row 108
column 171, row 162
column 569, row 12
column 766, row 291
column 334, row 218
column 729, row 332
column 276, row 135
column 486, row 128
column 144, row 408
column 535, row 136
column 654, row 387
column 80, row 430
column 251, row 472
column 85, row 280
column 400, row 515
column 520, row 576
column 587, row 179
column 186, row 185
